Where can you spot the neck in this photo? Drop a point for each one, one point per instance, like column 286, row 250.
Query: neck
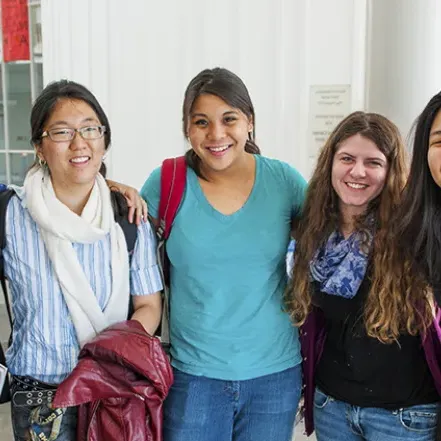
column 346, row 228
column 240, row 171
column 347, row 219
column 74, row 197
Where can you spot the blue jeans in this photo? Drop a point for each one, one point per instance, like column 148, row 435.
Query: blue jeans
column 204, row 409
column 338, row 421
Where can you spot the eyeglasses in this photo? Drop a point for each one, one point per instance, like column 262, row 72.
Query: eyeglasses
column 66, row 134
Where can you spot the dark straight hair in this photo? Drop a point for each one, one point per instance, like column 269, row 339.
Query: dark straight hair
column 45, row 104
column 230, row 88
column 43, row 108
column 419, row 219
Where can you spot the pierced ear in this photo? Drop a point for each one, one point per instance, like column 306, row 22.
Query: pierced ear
column 38, row 154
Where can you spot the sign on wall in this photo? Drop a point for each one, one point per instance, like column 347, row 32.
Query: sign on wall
column 328, row 105
column 15, row 24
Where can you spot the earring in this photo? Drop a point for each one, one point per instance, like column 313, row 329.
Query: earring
column 41, row 162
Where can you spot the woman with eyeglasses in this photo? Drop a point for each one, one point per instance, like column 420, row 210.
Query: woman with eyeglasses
column 66, row 258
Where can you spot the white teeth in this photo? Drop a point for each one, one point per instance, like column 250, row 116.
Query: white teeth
column 218, row 149
column 357, row 186
column 80, row 159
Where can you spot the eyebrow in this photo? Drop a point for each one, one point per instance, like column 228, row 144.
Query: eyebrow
column 373, row 158
column 228, row 112
column 56, row 123
column 435, row 133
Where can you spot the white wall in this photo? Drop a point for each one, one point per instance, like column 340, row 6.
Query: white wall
column 138, row 56
column 405, row 58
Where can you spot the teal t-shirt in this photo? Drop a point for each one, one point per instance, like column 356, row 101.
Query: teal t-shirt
column 228, row 275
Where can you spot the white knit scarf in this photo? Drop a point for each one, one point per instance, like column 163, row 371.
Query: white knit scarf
column 60, row 227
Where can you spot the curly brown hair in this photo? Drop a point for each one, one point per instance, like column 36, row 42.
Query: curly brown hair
column 387, row 313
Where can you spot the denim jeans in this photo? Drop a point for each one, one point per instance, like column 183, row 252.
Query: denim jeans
column 23, row 415
column 204, row 409
column 338, row 421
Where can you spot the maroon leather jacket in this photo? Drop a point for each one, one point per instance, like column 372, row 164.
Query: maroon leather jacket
column 121, row 380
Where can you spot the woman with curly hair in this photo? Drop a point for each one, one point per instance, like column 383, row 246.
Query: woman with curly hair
column 367, row 374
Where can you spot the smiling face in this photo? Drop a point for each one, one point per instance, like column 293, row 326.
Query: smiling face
column 434, row 152
column 217, row 133
column 359, row 173
column 76, row 162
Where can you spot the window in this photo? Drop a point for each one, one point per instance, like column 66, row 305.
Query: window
column 21, row 81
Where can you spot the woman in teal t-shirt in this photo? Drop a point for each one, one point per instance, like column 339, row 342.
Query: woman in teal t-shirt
column 235, row 354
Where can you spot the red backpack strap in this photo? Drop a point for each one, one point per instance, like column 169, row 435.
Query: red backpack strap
column 173, row 179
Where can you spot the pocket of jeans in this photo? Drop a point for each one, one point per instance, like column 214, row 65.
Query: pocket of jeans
column 320, row 398
column 420, row 418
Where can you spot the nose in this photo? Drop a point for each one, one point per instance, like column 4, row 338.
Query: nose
column 78, row 142
column 358, row 170
column 216, row 131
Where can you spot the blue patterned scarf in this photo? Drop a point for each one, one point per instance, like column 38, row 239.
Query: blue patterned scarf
column 340, row 265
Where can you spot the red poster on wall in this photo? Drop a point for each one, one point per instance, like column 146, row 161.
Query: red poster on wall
column 15, row 24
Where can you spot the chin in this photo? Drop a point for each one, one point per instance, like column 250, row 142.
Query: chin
column 217, row 165
column 89, row 180
column 362, row 204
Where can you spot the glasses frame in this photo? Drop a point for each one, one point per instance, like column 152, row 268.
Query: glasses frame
column 81, row 131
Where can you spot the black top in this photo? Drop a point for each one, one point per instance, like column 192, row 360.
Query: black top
column 361, row 370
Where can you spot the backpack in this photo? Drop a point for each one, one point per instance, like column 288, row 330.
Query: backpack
column 173, row 180
column 130, row 234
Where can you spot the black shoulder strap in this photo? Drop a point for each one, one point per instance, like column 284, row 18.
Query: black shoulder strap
column 5, row 197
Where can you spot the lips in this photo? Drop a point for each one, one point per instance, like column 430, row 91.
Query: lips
column 80, row 160
column 218, row 150
column 356, row 185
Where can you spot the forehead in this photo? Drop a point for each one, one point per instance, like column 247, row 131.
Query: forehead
column 211, row 104
column 71, row 110
column 436, row 125
column 360, row 146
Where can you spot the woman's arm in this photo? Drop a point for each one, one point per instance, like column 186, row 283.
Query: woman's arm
column 137, row 206
column 146, row 280
column 148, row 311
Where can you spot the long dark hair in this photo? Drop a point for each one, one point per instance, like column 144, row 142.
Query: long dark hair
column 418, row 222
column 228, row 87
column 414, row 246
column 45, row 104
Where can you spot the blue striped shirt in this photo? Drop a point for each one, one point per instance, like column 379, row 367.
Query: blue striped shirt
column 290, row 257
column 44, row 344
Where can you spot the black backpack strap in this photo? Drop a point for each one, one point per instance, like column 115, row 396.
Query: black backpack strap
column 130, row 230
column 5, row 197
